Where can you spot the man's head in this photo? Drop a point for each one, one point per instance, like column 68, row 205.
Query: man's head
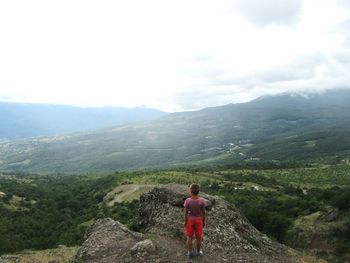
column 194, row 189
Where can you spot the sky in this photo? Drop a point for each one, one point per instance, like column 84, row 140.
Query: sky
column 171, row 55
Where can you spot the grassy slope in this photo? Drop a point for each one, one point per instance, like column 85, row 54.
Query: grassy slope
column 58, row 255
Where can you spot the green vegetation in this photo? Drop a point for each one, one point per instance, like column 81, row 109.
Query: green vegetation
column 40, row 212
column 51, row 210
column 57, row 255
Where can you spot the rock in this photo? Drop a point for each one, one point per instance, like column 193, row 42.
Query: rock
column 228, row 236
column 107, row 241
column 146, row 246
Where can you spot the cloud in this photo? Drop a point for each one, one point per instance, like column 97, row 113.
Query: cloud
column 344, row 3
column 342, row 53
column 175, row 55
column 302, row 68
column 342, row 30
column 201, row 96
column 264, row 13
column 317, row 71
column 342, row 56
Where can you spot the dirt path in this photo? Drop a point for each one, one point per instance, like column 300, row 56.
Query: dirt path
column 175, row 251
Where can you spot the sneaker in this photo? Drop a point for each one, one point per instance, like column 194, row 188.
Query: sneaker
column 200, row 253
column 190, row 254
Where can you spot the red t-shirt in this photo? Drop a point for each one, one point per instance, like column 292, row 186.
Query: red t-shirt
column 195, row 207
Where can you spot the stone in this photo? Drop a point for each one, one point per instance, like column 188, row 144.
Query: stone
column 146, row 246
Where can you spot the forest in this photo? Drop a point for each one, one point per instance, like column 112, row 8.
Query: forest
column 39, row 212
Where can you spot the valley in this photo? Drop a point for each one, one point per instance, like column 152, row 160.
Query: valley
column 275, row 129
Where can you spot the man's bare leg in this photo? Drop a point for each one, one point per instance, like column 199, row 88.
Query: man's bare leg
column 189, row 244
column 199, row 245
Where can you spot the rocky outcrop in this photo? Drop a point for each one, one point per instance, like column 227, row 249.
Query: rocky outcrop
column 110, row 241
column 229, row 237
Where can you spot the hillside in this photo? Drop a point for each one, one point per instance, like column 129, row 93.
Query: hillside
column 24, row 120
column 278, row 128
column 304, row 208
column 229, row 237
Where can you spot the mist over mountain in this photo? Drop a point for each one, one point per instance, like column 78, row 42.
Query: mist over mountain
column 272, row 128
column 23, row 120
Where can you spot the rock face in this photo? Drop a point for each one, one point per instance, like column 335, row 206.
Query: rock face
column 107, row 241
column 228, row 236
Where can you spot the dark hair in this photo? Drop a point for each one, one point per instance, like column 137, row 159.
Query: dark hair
column 194, row 189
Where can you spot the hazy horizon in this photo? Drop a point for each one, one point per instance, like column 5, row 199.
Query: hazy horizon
column 301, row 93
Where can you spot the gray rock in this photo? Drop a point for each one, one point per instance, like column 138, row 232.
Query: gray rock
column 146, row 246
column 227, row 234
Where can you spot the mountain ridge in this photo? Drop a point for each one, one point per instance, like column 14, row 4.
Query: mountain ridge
column 269, row 129
column 23, row 120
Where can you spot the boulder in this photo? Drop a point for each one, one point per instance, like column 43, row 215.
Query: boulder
column 145, row 247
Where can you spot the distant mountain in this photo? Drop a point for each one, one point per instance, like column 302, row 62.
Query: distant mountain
column 284, row 127
column 23, row 120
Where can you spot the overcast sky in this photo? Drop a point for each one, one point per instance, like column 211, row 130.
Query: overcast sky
column 172, row 55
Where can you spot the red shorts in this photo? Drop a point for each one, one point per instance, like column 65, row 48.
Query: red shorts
column 194, row 225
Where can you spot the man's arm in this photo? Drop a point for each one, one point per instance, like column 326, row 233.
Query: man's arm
column 203, row 213
column 204, row 210
column 186, row 215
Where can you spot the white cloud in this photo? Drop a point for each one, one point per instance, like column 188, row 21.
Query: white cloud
column 263, row 13
column 172, row 55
